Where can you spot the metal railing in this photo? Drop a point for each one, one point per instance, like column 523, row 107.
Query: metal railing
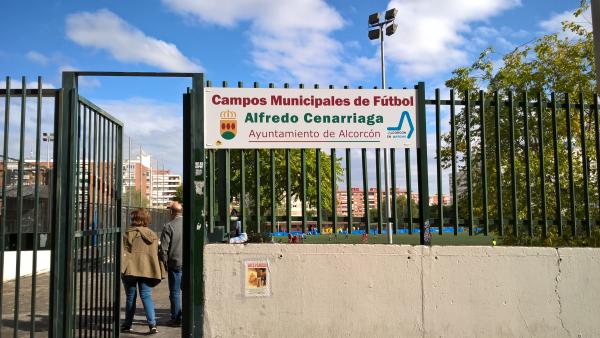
column 526, row 172
column 25, row 202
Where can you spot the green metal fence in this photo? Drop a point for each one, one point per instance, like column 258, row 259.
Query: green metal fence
column 535, row 150
column 25, row 203
column 517, row 165
column 85, row 281
column 253, row 174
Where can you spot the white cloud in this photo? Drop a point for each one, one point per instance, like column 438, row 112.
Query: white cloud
column 291, row 40
column 37, row 57
column 105, row 30
column 431, row 33
column 155, row 125
column 554, row 23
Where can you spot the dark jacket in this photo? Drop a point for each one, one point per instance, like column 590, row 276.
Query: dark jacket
column 171, row 244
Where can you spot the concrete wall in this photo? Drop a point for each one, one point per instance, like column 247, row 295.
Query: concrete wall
column 10, row 263
column 404, row 291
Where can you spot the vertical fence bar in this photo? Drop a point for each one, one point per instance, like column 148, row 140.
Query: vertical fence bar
column 366, row 190
column 471, row 222
column 101, row 225
column 303, row 194
column 318, row 183
column 85, row 239
column 129, row 183
column 77, row 242
column 303, row 183
column 74, row 239
column 349, row 190
column 273, row 205
column 211, row 184
column 19, row 206
column 584, row 164
column 558, row 211
column 597, row 135
column 499, row 206
column 212, row 196
column 105, row 226
column 207, row 192
column 85, row 183
column 540, row 109
column 513, row 174
column 102, row 230
column 482, row 107
column 527, row 163
column 225, row 209
column 89, row 253
column 107, row 241
column 112, row 224
column 333, row 192
column 454, row 171
column 36, row 214
column 394, row 192
column 141, row 174
column 408, row 190
column 243, row 190
column 212, row 158
column 116, row 238
column 378, row 182
column 257, row 171
column 288, row 191
column 4, row 180
column 570, row 159
column 438, row 143
column 242, row 213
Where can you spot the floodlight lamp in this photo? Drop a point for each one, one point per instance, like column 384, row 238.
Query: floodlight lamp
column 391, row 29
column 374, row 34
column 390, row 14
column 374, row 19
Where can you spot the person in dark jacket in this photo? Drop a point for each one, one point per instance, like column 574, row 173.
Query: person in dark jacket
column 171, row 254
column 141, row 267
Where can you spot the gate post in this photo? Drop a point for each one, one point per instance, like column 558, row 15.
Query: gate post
column 64, row 164
column 193, row 209
column 422, row 168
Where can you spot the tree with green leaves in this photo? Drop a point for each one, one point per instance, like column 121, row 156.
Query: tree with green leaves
column 547, row 70
column 133, row 198
column 281, row 180
column 178, row 194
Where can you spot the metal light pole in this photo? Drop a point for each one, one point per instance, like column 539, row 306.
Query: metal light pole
column 48, row 137
column 390, row 28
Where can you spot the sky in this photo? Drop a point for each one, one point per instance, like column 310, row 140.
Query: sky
column 268, row 41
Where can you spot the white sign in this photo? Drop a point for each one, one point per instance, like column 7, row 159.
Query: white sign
column 253, row 118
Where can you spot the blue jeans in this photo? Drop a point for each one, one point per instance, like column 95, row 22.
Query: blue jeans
column 175, row 293
column 145, row 286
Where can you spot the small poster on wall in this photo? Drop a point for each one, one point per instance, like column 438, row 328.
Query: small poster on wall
column 257, row 278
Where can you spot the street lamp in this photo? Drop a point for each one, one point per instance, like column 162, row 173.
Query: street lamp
column 48, row 137
column 376, row 32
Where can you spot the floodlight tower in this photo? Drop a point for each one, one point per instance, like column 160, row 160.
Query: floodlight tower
column 376, row 31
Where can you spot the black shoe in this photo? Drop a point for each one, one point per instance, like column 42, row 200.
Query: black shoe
column 174, row 322
column 153, row 330
column 125, row 329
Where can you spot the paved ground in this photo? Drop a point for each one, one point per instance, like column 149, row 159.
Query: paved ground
column 24, row 323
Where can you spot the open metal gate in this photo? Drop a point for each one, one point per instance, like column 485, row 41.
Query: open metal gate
column 87, row 220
